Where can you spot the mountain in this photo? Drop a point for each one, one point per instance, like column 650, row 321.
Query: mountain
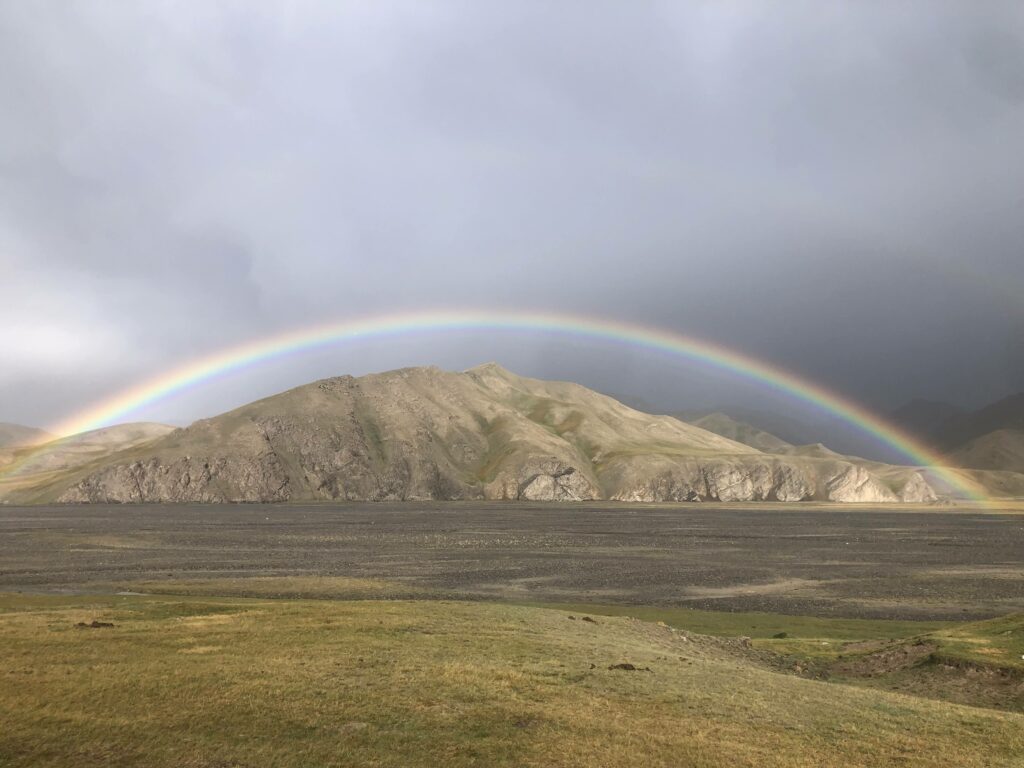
column 1007, row 413
column 16, row 436
column 782, row 427
column 76, row 450
column 486, row 433
column 927, row 420
column 28, row 467
column 991, row 438
column 726, row 426
column 1002, row 449
column 841, row 437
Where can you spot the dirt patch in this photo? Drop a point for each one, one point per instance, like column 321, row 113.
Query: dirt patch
column 627, row 667
column 893, row 658
column 921, row 669
column 865, row 646
column 780, row 587
column 964, row 682
column 94, row 624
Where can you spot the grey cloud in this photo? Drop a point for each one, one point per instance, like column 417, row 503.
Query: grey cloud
column 832, row 186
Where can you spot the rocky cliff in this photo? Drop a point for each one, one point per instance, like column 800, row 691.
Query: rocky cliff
column 423, row 433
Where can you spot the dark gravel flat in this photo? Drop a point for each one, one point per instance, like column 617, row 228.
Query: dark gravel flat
column 839, row 561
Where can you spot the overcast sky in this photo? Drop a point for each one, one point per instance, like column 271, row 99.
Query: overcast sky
column 837, row 188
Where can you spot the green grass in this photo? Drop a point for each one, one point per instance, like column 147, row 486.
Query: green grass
column 979, row 663
column 997, row 641
column 208, row 681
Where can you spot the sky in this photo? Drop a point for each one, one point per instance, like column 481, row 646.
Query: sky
column 836, row 188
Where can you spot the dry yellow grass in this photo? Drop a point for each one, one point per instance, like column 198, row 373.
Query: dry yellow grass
column 210, row 682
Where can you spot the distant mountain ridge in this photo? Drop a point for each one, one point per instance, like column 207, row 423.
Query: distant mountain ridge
column 1002, row 449
column 485, row 433
column 40, row 462
column 990, row 438
column 16, row 435
column 1007, row 413
column 789, row 430
column 726, row 426
column 76, row 450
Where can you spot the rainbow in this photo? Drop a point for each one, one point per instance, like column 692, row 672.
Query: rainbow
column 198, row 371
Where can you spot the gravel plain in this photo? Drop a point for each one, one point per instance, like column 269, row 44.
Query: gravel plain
column 933, row 563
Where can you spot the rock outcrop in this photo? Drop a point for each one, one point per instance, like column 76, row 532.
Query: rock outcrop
column 261, row 478
column 916, row 490
column 423, row 433
column 856, row 484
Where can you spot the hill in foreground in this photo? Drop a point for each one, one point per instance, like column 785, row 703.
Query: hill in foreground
column 424, row 433
column 173, row 681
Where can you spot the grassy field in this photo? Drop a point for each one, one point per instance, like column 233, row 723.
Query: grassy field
column 758, row 626
column 207, row 681
column 999, row 641
column 978, row 663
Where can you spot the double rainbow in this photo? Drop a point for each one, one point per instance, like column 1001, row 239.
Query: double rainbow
column 252, row 353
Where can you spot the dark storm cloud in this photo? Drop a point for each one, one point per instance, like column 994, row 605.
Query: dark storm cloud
column 836, row 187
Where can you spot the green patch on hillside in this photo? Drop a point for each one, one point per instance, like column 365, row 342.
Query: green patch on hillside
column 993, row 643
column 977, row 663
column 999, row 641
